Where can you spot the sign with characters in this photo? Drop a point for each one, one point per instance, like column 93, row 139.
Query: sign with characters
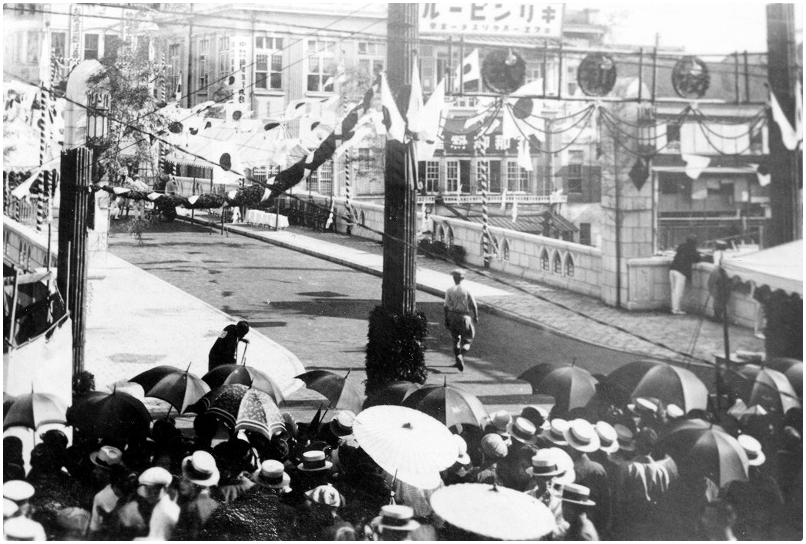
column 462, row 144
column 540, row 20
column 243, row 45
column 75, row 31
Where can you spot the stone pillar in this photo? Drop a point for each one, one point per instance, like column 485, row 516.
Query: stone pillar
column 626, row 210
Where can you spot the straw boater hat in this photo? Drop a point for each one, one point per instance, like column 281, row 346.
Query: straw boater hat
column 461, row 446
column 544, row 464
column 554, row 433
column 674, row 411
column 608, row 437
column 643, row 407
column 314, row 461
column 342, row 423
column 395, row 517
column 18, row 491
column 200, row 468
column 326, row 495
column 581, row 436
column 752, row 448
column 493, row 446
column 154, row 476
column 272, row 474
column 9, row 508
column 565, row 464
column 523, row 431
column 626, row 439
column 21, row 528
column 106, row 457
column 537, row 415
column 577, row 494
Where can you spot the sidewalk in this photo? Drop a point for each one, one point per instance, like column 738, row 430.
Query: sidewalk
column 691, row 334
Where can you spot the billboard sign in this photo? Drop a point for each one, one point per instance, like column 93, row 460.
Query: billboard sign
column 538, row 20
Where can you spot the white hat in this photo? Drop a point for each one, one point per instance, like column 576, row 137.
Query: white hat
column 608, row 437
column 523, row 431
column 500, row 420
column 342, row 423
column 313, row 461
column 200, row 468
column 327, row 495
column 626, row 438
column 555, row 432
column 463, row 458
column 643, row 406
column 396, row 517
column 21, row 528
column 565, row 464
column 581, row 436
column 544, row 464
column 106, row 457
column 577, row 494
column 18, row 490
column 272, row 474
column 493, row 446
column 752, row 448
column 155, row 476
column 9, row 508
column 674, row 411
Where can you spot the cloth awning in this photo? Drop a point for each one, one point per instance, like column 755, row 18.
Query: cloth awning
column 779, row 267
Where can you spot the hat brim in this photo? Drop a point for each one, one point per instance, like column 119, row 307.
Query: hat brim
column 410, row 525
column 328, row 466
column 758, row 460
column 626, row 447
column 612, row 448
column 579, row 446
column 94, row 461
column 583, row 503
column 284, row 483
column 211, row 481
column 463, row 459
column 530, row 472
column 339, row 431
column 530, row 441
column 547, row 436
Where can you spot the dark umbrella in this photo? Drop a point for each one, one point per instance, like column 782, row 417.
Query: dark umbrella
column 795, row 377
column 245, row 375
column 571, row 386
column 113, row 417
column 393, row 394
column 535, row 375
column 763, row 386
column 341, row 394
column 704, row 449
column 673, row 385
column 781, row 364
column 447, row 404
column 177, row 387
column 34, row 410
column 628, row 376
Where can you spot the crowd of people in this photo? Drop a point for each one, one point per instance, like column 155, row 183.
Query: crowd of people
column 601, row 478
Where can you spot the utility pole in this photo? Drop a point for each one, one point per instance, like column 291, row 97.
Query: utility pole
column 784, row 174
column 400, row 209
column 190, row 61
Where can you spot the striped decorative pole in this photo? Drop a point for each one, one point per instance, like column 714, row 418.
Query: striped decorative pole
column 162, row 150
column 41, row 213
column 480, row 145
column 43, row 203
column 347, row 175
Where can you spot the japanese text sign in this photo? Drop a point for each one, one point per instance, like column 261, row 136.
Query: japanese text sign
column 542, row 20
column 462, row 143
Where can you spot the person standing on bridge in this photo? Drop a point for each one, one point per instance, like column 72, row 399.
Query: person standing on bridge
column 461, row 313
column 225, row 349
column 680, row 271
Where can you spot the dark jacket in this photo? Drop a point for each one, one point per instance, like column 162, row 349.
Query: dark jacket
column 685, row 257
column 225, row 349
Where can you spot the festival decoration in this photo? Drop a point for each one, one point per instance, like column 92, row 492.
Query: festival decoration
column 503, row 71
column 596, row 74
column 690, row 77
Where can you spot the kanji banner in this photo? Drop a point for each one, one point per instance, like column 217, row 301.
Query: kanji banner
column 543, row 20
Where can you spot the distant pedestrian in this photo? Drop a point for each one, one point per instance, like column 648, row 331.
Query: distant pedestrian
column 461, row 313
column 225, row 348
column 680, row 271
column 171, row 187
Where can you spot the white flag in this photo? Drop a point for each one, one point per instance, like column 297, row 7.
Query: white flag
column 471, row 73
column 695, row 164
column 330, row 215
column 395, row 127
column 788, row 134
column 429, row 125
column 414, row 113
column 514, row 210
column 524, row 158
column 504, row 197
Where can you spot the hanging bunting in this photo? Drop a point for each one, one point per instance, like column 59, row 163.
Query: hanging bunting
column 789, row 136
column 392, row 120
column 429, row 125
column 639, row 173
column 471, row 70
column 695, row 164
column 415, row 110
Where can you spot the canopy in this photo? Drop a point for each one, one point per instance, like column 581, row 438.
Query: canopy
column 779, row 267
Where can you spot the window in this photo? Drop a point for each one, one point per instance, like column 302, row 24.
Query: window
column 574, row 175
column 585, row 234
column 224, row 67
column 452, row 177
column 544, row 261
column 558, row 264
column 505, row 251
column 174, row 58
column 517, row 177
column 370, row 67
column 571, row 75
column 321, row 65
column 110, row 46
column 534, row 72
column 58, row 43
column 203, row 68
column 429, row 175
column 321, row 180
column 32, row 52
column 268, row 62
column 569, row 267
column 369, row 164
column 90, row 46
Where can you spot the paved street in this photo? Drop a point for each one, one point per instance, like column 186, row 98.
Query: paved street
column 319, row 310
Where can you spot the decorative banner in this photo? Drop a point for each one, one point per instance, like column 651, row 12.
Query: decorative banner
column 462, row 144
column 534, row 20
column 695, row 164
column 690, row 77
column 503, row 71
column 75, row 32
column 243, row 44
column 596, row 74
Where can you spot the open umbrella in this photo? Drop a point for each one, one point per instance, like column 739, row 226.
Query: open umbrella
column 342, row 394
column 704, row 449
column 628, row 376
column 177, row 387
column 394, row 393
column 243, row 407
column 673, row 385
column 448, row 404
column 571, row 387
column 495, row 512
column 764, row 386
column 795, row 376
column 34, row 410
column 109, row 416
column 781, row 364
column 404, row 442
column 245, row 375
column 535, row 375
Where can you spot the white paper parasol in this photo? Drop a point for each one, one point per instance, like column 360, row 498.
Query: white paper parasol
column 405, row 442
column 495, row 512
